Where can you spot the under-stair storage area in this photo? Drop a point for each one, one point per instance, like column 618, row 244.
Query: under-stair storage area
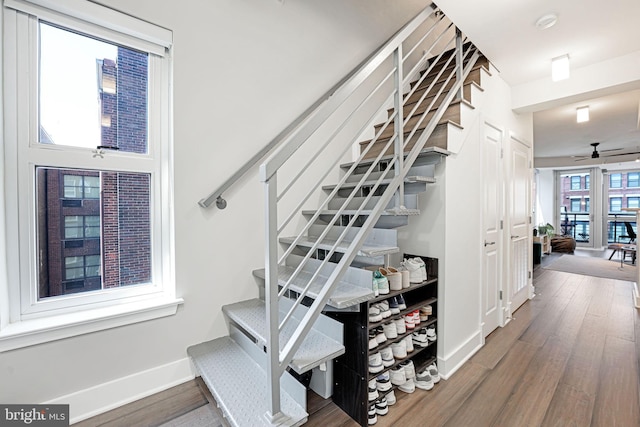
column 352, row 373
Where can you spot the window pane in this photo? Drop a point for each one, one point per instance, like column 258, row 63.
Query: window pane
column 633, row 179
column 73, row 69
column 111, row 232
column 575, row 182
column 615, row 180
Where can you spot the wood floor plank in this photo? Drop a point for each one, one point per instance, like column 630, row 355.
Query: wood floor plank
column 601, row 303
column 570, row 407
column 477, row 410
column 436, row 406
column 617, row 396
column 528, row 404
column 330, row 416
column 621, row 317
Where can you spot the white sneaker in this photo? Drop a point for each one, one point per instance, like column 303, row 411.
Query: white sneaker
column 433, row 371
column 383, row 382
column 408, row 343
column 375, row 363
column 373, row 390
column 415, row 273
column 380, row 336
column 387, row 357
column 423, row 267
column 385, row 311
column 431, row 333
column 373, row 342
column 391, row 398
column 381, row 282
column 373, row 418
column 399, row 349
column 393, row 277
column 397, row 375
column 406, row 277
column 400, row 325
column 381, row 406
column 408, row 386
column 424, row 380
column 375, row 315
column 390, row 330
column 409, row 369
column 419, row 338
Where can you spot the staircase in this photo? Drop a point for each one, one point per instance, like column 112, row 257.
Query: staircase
column 325, row 225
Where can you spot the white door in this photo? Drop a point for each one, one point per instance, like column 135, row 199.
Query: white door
column 519, row 222
column 492, row 214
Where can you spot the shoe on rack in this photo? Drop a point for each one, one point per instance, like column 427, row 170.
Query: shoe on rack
column 424, row 380
column 422, row 266
column 373, row 342
column 373, row 417
column 408, row 386
column 380, row 336
column 397, row 375
column 425, row 312
column 400, row 325
column 406, row 277
column 419, row 338
column 409, row 321
column 373, row 390
column 390, row 330
column 393, row 306
column 385, row 311
column 381, row 406
column 415, row 273
column 409, row 369
column 382, row 282
column 375, row 315
column 387, row 356
column 433, row 371
column 375, row 363
column 408, row 344
column 383, row 382
column 401, row 304
column 374, row 286
column 393, row 278
column 416, row 317
column 431, row 333
column 391, row 398
column 399, row 349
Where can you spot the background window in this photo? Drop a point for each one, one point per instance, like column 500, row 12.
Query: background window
column 615, row 204
column 633, row 179
column 575, row 183
column 633, row 202
column 81, row 226
column 587, row 182
column 575, row 205
column 615, row 180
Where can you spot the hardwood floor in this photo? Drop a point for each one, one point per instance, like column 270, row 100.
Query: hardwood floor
column 569, row 357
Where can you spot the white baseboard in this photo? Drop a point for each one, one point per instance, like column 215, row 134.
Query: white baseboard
column 636, row 295
column 449, row 364
column 96, row 400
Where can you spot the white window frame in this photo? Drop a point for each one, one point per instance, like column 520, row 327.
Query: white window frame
column 25, row 320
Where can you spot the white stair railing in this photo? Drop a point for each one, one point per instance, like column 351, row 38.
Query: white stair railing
column 338, row 124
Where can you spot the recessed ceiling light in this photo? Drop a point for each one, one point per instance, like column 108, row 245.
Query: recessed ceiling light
column 582, row 114
column 560, row 68
column 546, row 21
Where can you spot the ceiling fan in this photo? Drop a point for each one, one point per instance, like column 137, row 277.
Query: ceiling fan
column 596, row 153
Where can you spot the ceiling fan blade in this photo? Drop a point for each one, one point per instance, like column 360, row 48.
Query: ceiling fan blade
column 611, row 149
column 623, row 154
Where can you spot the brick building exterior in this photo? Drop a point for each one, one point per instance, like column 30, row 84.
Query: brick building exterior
column 94, row 226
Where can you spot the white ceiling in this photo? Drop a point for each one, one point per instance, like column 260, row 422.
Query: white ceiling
column 590, row 32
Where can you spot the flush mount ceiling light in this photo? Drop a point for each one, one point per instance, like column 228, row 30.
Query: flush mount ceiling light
column 560, row 68
column 546, row 21
column 582, row 114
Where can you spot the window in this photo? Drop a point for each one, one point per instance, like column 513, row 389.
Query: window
column 633, row 202
column 575, row 182
column 575, row 205
column 633, row 179
column 615, row 180
column 587, row 182
column 587, row 206
column 90, row 151
column 615, row 204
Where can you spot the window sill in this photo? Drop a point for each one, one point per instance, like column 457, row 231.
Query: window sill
column 37, row 331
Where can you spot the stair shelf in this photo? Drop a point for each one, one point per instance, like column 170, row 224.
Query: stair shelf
column 325, row 217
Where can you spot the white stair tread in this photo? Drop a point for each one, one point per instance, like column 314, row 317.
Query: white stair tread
column 239, row 384
column 368, row 250
column 409, row 179
column 344, row 294
column 316, row 348
column 391, row 212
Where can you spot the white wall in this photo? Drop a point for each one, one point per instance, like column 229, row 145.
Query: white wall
column 450, row 225
column 243, row 71
column 545, row 197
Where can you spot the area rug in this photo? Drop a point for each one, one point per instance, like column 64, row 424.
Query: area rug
column 598, row 267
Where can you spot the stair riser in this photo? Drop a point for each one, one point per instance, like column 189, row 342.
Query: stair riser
column 420, row 170
column 410, row 202
column 452, row 113
column 384, row 222
column 475, row 76
column 437, row 139
column 409, row 188
column 355, row 276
